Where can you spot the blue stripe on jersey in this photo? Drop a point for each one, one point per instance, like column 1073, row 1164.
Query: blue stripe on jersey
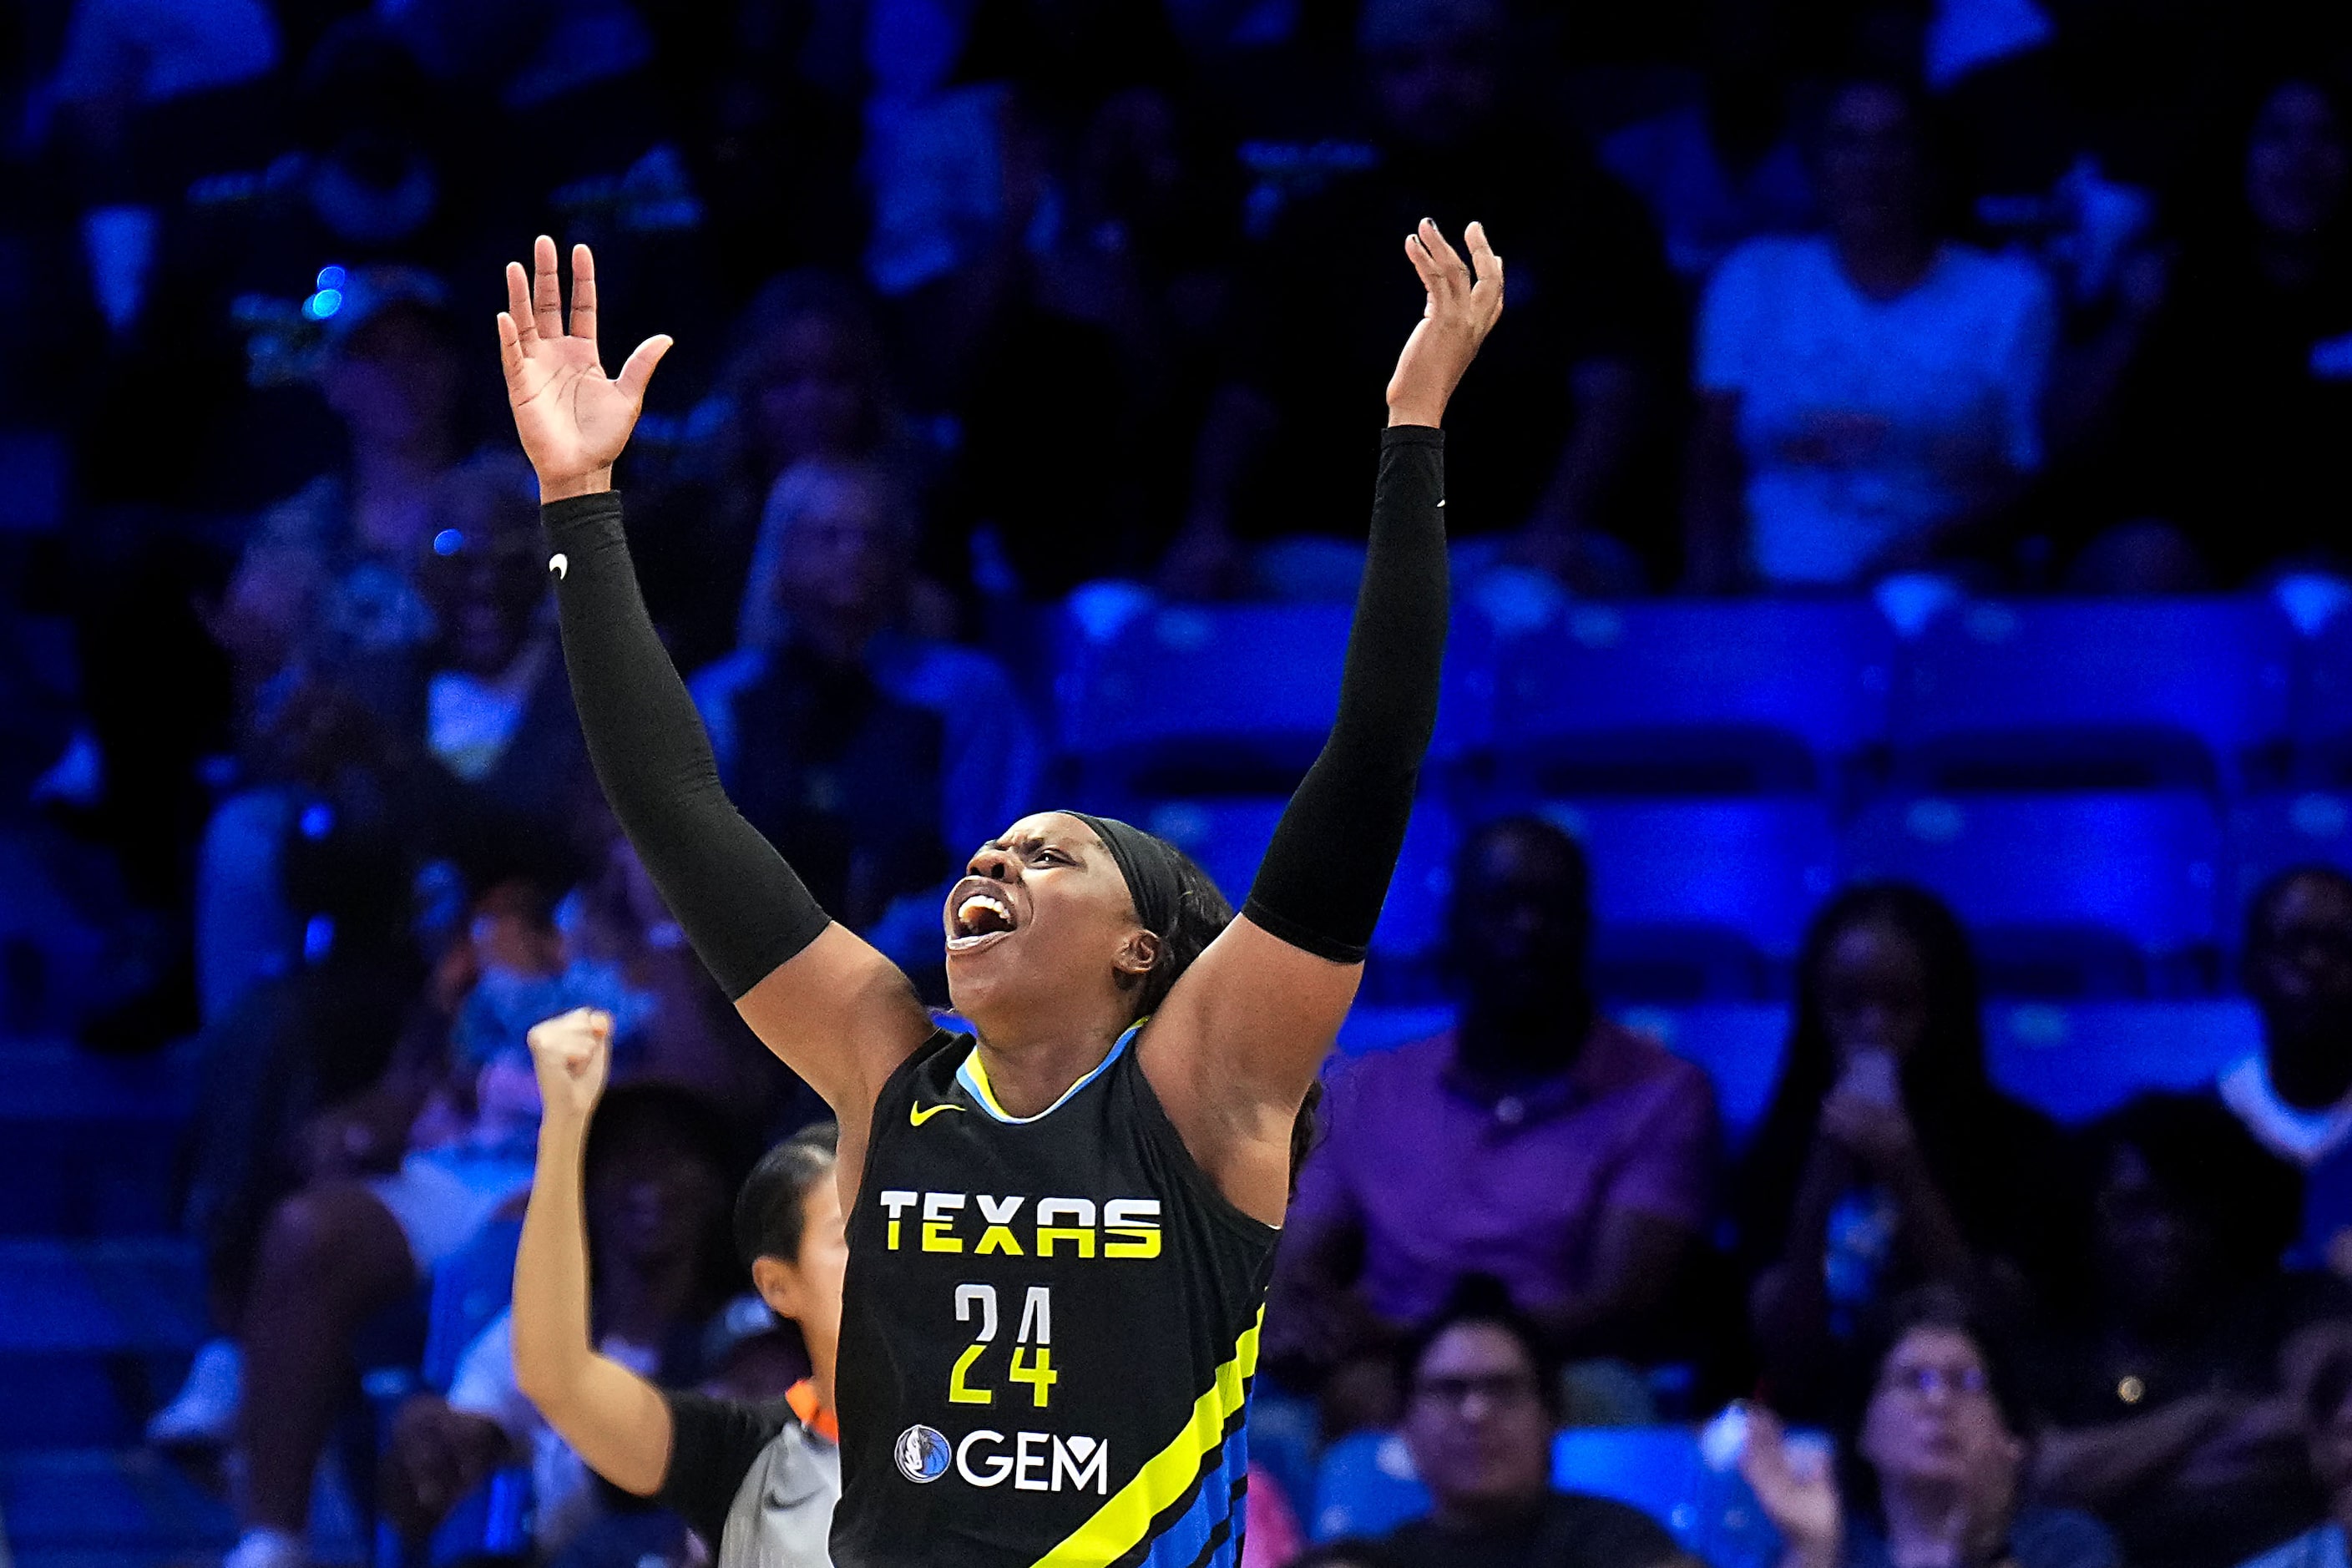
column 1185, row 1544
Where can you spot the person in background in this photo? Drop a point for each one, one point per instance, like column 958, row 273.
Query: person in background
column 655, row 1177
column 302, row 1073
column 328, row 579
column 2232, row 411
column 1933, row 1465
column 1551, row 1147
column 810, row 382
column 1724, row 165
column 859, row 748
column 1886, row 1159
column 2324, row 1405
column 1541, row 478
column 343, row 1250
column 756, row 1481
column 2168, row 1412
column 1870, row 396
column 496, row 710
column 1479, row 1419
column 2296, row 1095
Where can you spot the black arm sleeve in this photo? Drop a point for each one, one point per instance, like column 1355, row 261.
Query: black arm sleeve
column 1326, row 872
column 743, row 908
column 713, row 1444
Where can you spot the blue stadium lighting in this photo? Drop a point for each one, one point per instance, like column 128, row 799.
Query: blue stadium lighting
column 332, row 277
column 324, row 304
column 318, row 821
column 449, row 541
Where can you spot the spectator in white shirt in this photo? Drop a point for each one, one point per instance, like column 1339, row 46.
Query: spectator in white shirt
column 1870, row 396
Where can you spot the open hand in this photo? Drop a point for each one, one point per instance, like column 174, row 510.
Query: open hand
column 1463, row 306
column 1797, row 1488
column 572, row 1054
column 574, row 419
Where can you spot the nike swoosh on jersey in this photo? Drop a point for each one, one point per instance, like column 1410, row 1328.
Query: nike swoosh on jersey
column 918, row 1114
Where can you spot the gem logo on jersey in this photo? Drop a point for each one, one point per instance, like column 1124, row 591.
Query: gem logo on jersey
column 923, row 1455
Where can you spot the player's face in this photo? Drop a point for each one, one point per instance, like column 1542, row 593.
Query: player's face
column 1043, row 914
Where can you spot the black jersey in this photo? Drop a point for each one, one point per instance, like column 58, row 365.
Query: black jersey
column 1049, row 1327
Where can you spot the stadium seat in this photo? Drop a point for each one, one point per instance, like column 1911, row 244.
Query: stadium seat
column 1691, row 698
column 1655, row 1468
column 1700, row 900
column 1220, row 699
column 2273, row 833
column 2323, row 721
column 2082, row 896
column 1740, row 1047
column 2080, row 1062
column 2097, row 694
column 1366, row 1485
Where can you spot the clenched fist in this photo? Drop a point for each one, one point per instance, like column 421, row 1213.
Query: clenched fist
column 572, row 1053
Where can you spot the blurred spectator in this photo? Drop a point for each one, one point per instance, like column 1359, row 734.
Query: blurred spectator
column 1545, row 440
column 2234, row 414
column 2168, row 1415
column 1553, row 1148
column 1479, row 1417
column 297, row 1071
column 1887, row 1160
column 807, row 381
column 495, row 707
column 1871, row 396
column 2295, row 1096
column 337, row 1253
column 1932, row 1467
column 870, row 755
column 2324, row 1403
column 328, row 583
column 1724, row 165
column 656, row 1185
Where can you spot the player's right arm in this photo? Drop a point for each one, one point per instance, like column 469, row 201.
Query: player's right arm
column 836, row 1011
column 612, row 1419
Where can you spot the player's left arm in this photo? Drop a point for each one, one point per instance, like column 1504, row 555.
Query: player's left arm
column 1234, row 1049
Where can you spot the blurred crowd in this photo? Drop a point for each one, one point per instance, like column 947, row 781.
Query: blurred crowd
column 984, row 304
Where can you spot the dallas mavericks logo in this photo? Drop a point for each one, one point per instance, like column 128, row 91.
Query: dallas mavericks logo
column 923, row 1455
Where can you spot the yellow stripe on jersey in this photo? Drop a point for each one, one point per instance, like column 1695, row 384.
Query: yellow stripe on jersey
column 981, row 1085
column 1120, row 1525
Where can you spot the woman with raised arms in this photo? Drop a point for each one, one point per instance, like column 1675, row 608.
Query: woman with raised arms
column 1060, row 1224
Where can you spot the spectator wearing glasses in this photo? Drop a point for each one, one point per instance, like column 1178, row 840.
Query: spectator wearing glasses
column 1932, row 1469
column 1479, row 1420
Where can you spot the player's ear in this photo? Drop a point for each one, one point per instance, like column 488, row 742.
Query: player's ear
column 779, row 1284
column 1137, row 954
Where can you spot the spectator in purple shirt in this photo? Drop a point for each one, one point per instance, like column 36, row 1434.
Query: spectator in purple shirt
column 1535, row 1142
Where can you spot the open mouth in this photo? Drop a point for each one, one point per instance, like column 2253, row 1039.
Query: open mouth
column 981, row 919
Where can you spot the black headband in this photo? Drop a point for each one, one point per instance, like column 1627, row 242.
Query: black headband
column 1149, row 867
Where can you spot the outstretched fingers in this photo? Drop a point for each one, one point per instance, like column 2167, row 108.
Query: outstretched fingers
column 640, row 369
column 518, row 311
column 547, row 292
column 583, row 294
column 1442, row 281
column 510, row 349
column 1485, row 264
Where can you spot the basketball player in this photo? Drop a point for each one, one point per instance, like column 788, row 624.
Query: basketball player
column 1060, row 1226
